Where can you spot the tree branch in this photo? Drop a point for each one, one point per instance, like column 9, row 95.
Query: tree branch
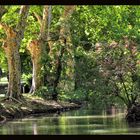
column 126, row 92
column 50, row 42
column 22, row 21
column 69, row 10
column 2, row 11
column 119, row 96
column 44, row 23
column 38, row 18
column 49, row 18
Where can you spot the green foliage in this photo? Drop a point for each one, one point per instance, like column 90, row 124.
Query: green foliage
column 78, row 95
column 97, row 70
column 3, row 61
column 56, row 13
column 99, row 100
column 27, row 78
column 12, row 16
column 85, row 68
column 26, row 64
column 42, row 92
column 104, row 23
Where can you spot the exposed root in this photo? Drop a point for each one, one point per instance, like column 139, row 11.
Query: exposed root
column 3, row 119
column 15, row 100
column 20, row 101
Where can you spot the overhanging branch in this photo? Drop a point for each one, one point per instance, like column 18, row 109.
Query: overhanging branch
column 43, row 27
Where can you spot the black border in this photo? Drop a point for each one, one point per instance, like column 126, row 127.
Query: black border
column 70, row 137
column 69, row 2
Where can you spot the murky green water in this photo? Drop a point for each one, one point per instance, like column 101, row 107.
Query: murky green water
column 73, row 122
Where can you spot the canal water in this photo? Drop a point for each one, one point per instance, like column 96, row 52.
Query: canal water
column 76, row 122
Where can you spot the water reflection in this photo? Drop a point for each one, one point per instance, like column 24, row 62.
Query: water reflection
column 83, row 121
column 35, row 129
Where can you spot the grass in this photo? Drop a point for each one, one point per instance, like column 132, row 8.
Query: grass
column 31, row 97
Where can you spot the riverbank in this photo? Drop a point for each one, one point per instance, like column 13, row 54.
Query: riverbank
column 10, row 110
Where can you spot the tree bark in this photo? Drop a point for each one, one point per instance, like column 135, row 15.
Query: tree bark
column 34, row 48
column 13, row 58
column 11, row 47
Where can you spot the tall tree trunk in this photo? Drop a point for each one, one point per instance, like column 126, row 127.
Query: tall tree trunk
column 37, row 51
column 64, row 40
column 13, row 58
column 11, row 47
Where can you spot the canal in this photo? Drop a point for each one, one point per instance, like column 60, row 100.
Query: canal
column 79, row 122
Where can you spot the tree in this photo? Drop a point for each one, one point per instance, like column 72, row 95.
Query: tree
column 64, row 42
column 118, row 65
column 98, row 26
column 3, row 10
column 11, row 47
column 37, row 49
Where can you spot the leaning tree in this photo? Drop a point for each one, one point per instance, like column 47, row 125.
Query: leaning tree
column 11, row 45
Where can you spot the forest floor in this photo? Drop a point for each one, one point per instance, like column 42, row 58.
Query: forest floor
column 10, row 110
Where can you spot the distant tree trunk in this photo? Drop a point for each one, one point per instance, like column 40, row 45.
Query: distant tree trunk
column 58, row 74
column 37, row 51
column 64, row 39
column 11, row 47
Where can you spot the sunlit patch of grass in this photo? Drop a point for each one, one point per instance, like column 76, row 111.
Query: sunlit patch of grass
column 32, row 97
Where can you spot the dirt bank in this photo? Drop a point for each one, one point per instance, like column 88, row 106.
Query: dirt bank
column 12, row 110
